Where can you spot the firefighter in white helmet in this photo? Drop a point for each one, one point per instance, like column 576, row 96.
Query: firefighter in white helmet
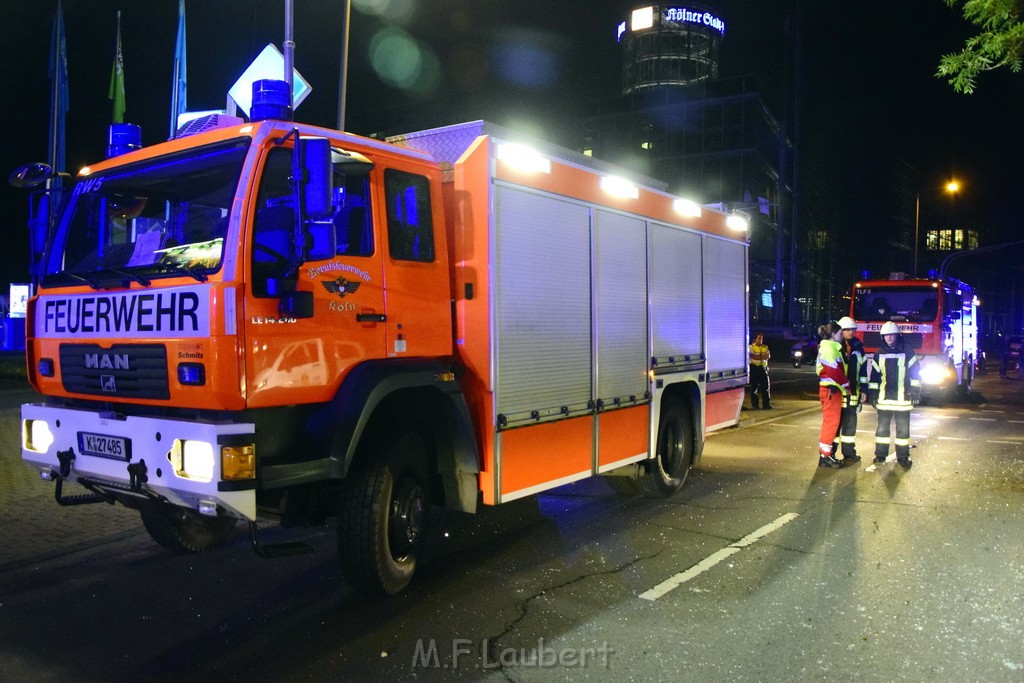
column 893, row 377
column 853, row 354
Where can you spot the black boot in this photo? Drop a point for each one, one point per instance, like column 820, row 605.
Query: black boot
column 829, row 461
column 851, row 457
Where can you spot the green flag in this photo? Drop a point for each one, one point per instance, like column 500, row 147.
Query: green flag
column 117, row 78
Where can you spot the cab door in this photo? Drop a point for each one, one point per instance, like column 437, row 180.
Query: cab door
column 348, row 293
column 415, row 259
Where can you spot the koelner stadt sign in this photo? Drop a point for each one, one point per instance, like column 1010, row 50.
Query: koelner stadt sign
column 685, row 16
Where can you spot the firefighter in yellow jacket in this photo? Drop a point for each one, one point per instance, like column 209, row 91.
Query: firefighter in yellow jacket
column 894, row 387
column 759, row 383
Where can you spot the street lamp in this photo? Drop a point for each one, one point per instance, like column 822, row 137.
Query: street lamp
column 952, row 187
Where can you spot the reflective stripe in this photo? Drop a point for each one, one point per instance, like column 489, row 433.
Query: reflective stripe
column 902, row 442
column 847, row 439
column 882, row 440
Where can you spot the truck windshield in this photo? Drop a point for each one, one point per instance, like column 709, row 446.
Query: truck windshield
column 908, row 304
column 161, row 217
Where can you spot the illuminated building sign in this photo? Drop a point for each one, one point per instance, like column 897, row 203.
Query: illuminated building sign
column 685, row 16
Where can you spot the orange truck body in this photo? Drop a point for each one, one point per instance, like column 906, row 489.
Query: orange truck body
column 536, row 340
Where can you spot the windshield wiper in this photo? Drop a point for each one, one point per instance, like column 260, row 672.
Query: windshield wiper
column 76, row 276
column 178, row 268
column 125, row 274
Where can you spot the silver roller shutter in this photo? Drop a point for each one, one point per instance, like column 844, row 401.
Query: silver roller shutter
column 542, row 306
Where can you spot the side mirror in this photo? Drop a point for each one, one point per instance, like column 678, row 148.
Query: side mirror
column 315, row 158
column 30, row 175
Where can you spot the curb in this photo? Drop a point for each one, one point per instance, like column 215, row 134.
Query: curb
column 777, row 415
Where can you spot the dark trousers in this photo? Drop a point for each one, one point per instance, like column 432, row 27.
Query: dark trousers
column 847, row 436
column 885, row 418
column 759, row 386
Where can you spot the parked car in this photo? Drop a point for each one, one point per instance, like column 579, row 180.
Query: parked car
column 804, row 351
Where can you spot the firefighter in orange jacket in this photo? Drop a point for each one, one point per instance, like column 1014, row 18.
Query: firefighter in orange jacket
column 853, row 354
column 833, row 386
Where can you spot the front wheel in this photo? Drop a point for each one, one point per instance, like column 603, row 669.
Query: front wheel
column 382, row 521
column 184, row 530
column 967, row 380
column 667, row 472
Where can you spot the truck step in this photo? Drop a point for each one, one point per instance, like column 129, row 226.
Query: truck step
column 273, row 550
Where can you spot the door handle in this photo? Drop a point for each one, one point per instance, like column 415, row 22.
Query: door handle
column 371, row 318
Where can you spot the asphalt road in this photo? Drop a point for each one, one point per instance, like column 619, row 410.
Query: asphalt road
column 763, row 568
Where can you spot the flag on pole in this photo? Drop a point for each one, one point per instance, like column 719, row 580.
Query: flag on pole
column 59, row 91
column 179, row 103
column 117, row 78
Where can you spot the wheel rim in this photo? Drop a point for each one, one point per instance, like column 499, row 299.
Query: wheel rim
column 406, row 519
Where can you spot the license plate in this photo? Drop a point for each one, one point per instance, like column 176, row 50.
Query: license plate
column 115, row 447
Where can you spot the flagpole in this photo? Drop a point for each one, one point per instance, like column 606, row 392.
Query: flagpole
column 56, row 100
column 179, row 71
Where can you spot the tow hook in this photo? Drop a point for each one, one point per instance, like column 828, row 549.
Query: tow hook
column 65, row 458
column 137, row 475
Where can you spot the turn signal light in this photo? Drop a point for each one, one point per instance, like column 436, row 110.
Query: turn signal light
column 237, row 462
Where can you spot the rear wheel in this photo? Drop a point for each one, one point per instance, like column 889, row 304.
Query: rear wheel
column 667, row 472
column 184, row 530
column 382, row 522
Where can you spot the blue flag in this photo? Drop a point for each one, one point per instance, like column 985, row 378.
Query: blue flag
column 59, row 91
column 179, row 103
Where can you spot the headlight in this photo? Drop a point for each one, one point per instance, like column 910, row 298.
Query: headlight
column 192, row 459
column 36, row 436
column 934, row 374
column 798, row 354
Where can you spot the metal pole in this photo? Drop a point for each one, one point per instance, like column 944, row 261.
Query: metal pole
column 917, row 223
column 55, row 94
column 343, row 77
column 289, row 48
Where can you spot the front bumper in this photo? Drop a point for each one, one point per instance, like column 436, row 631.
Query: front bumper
column 146, row 461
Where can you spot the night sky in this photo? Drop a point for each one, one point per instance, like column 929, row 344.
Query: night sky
column 867, row 93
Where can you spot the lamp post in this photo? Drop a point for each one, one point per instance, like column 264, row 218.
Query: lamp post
column 952, row 187
column 343, row 72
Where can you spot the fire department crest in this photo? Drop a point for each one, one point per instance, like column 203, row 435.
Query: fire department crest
column 341, row 286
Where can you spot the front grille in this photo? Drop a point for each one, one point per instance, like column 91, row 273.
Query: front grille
column 123, row 370
column 873, row 340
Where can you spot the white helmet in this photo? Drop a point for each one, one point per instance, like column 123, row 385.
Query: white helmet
column 889, row 328
column 847, row 323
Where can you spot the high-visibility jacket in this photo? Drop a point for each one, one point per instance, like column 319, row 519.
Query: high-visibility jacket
column 831, row 366
column 892, row 374
column 759, row 355
column 853, row 352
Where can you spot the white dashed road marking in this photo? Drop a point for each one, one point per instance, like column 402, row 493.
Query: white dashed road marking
column 710, row 561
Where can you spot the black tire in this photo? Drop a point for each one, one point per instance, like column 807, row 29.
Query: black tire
column 964, row 388
column 382, row 522
column 183, row 530
column 674, row 449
